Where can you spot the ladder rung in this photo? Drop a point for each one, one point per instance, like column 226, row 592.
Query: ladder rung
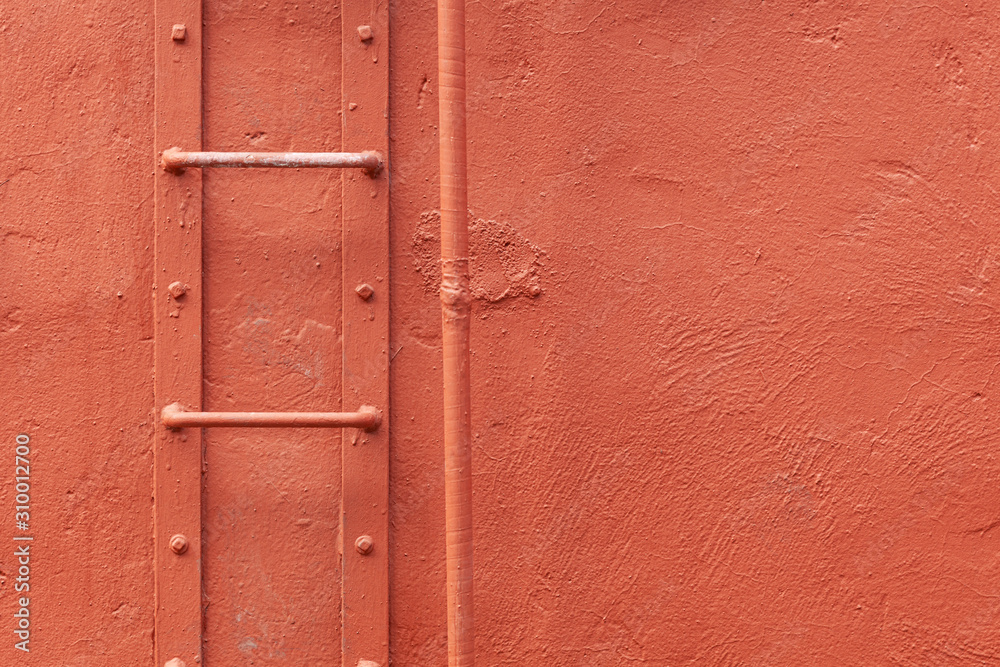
column 367, row 418
column 175, row 158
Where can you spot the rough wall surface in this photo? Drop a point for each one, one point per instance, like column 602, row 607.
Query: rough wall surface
column 734, row 348
column 76, row 328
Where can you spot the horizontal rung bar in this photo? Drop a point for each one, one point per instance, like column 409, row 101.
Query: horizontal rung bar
column 367, row 418
column 175, row 158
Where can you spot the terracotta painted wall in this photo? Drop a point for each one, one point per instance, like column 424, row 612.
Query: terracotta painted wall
column 734, row 341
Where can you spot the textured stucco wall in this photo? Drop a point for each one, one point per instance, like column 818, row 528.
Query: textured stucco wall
column 76, row 326
column 748, row 419
column 734, row 339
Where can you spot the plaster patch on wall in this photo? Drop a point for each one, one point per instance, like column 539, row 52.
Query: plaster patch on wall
column 504, row 264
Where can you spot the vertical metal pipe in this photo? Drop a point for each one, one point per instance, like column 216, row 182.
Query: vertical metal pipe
column 455, row 307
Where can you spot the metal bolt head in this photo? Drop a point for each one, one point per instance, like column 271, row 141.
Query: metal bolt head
column 365, row 291
column 365, row 33
column 179, row 32
column 178, row 544
column 177, row 289
column 364, row 545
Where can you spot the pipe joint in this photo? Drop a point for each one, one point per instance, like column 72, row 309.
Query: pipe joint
column 456, row 295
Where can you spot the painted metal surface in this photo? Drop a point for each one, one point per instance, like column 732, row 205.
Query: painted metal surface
column 177, row 338
column 174, row 158
column 456, row 307
column 366, row 297
column 364, row 498
column 175, row 416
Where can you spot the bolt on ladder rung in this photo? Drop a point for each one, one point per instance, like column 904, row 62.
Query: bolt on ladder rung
column 366, row 418
column 174, row 159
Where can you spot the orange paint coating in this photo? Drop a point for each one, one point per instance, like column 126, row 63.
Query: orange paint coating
column 745, row 418
column 456, row 342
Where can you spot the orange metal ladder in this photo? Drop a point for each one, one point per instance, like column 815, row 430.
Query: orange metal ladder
column 178, row 345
